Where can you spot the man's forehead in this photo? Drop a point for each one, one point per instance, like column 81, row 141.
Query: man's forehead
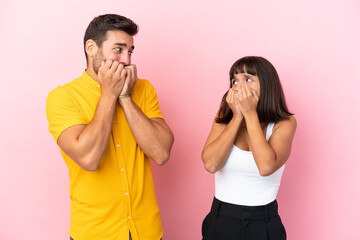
column 118, row 36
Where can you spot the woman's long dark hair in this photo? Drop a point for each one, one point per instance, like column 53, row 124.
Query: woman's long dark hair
column 272, row 106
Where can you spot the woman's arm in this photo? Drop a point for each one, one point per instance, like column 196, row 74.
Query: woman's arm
column 269, row 156
column 222, row 137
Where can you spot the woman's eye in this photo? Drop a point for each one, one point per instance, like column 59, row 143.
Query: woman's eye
column 235, row 82
column 248, row 80
column 118, row 49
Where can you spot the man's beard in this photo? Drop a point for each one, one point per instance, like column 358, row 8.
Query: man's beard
column 98, row 59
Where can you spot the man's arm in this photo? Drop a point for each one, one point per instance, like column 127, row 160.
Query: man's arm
column 86, row 144
column 152, row 135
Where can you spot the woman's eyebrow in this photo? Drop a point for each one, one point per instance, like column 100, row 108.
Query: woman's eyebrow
column 248, row 75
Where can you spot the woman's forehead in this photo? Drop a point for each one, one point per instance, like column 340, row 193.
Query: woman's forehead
column 245, row 74
column 246, row 69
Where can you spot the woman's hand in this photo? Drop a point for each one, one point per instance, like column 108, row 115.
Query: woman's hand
column 233, row 101
column 248, row 100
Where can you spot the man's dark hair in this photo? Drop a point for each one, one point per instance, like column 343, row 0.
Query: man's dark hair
column 272, row 106
column 100, row 25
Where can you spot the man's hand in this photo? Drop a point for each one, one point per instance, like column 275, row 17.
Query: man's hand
column 86, row 144
column 130, row 80
column 111, row 77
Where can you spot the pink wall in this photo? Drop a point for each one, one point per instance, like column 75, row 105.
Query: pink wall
column 185, row 48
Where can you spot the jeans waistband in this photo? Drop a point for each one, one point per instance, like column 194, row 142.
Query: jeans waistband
column 264, row 212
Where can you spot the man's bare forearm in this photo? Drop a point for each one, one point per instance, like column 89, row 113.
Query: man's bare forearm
column 86, row 144
column 93, row 141
column 153, row 136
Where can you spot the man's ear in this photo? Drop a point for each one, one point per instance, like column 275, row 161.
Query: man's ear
column 91, row 48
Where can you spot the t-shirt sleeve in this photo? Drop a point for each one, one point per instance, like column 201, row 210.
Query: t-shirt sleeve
column 62, row 112
column 152, row 109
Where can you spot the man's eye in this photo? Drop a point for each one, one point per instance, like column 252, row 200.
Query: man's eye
column 130, row 53
column 118, row 49
column 248, row 80
column 235, row 82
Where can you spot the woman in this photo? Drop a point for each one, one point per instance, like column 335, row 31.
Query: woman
column 247, row 147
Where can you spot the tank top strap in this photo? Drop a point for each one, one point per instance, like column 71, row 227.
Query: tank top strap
column 269, row 131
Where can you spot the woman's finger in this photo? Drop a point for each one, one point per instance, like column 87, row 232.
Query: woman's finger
column 255, row 94
column 248, row 91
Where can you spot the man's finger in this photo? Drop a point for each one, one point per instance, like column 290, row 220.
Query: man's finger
column 101, row 66
column 135, row 71
column 130, row 74
column 119, row 70
column 123, row 74
column 108, row 64
column 114, row 66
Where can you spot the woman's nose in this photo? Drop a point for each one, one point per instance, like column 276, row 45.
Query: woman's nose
column 238, row 85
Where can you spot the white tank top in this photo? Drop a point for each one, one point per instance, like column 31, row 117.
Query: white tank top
column 239, row 181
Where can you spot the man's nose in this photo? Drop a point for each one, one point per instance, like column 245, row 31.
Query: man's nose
column 125, row 59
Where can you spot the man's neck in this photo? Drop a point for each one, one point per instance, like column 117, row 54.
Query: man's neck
column 91, row 73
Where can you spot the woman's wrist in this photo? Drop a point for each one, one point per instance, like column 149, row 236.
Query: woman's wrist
column 250, row 115
column 237, row 118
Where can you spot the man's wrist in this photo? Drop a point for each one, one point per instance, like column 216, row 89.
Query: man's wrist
column 125, row 96
column 124, row 99
column 108, row 97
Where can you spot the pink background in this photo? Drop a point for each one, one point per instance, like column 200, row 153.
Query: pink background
column 185, row 48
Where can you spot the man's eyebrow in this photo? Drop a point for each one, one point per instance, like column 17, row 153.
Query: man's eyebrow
column 124, row 45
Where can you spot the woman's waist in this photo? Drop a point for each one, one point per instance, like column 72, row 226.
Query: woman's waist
column 222, row 208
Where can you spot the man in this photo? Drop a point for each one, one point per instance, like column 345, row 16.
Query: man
column 108, row 124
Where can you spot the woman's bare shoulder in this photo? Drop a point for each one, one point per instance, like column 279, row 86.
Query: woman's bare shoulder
column 288, row 123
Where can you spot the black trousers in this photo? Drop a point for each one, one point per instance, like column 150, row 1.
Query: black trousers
column 229, row 222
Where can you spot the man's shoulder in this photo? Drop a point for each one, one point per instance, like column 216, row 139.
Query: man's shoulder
column 143, row 82
column 144, row 85
column 143, row 89
column 62, row 91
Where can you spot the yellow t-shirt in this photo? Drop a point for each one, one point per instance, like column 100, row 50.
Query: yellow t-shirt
column 119, row 196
